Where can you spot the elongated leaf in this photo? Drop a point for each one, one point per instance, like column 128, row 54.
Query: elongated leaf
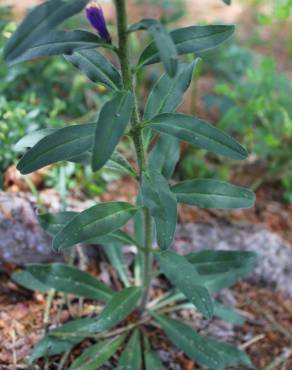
column 152, row 361
column 131, row 357
column 230, row 355
column 52, row 223
column 205, row 193
column 224, row 272
column 96, row 67
column 227, row 314
column 61, row 145
column 58, row 43
column 207, row 352
column 228, row 2
column 215, row 262
column 163, row 42
column 165, row 155
column 192, row 39
column 162, row 204
column 31, row 139
column 71, row 280
column 115, row 256
column 118, row 236
column 186, row 278
column 198, row 133
column 41, row 20
column 167, row 93
column 112, row 122
column 118, row 308
column 96, row 221
column 28, row 281
column 120, row 163
column 51, row 345
column 97, row 355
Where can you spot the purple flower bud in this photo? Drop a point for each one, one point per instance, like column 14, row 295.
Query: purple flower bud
column 96, row 18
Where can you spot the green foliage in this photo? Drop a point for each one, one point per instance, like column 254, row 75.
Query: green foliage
column 161, row 202
column 96, row 221
column 71, row 280
column 196, row 276
column 97, row 355
column 189, row 283
column 131, row 357
column 261, row 101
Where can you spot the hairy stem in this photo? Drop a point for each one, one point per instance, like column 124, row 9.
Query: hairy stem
column 137, row 135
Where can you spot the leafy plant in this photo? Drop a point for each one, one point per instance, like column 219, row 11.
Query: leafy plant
column 260, row 100
column 156, row 137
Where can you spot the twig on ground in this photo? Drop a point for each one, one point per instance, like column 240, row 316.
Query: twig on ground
column 252, row 341
column 63, row 360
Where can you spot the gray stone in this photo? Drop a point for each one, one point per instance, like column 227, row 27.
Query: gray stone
column 22, row 240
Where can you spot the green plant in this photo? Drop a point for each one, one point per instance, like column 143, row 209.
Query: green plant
column 196, row 276
column 260, row 100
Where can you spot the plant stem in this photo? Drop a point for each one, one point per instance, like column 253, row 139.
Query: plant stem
column 148, row 257
column 137, row 135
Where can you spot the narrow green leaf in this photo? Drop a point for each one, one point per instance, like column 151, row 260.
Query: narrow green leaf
column 31, row 139
column 186, row 278
column 96, row 221
column 215, row 262
column 167, row 93
column 228, row 2
column 28, row 281
column 207, row 352
column 52, row 223
column 97, row 355
column 115, row 256
column 118, row 308
column 41, row 20
column 222, row 269
column 192, row 39
column 227, row 314
column 198, row 133
column 118, row 236
column 61, row 145
column 231, row 355
column 191, row 343
column 96, row 67
column 120, row 163
column 131, row 358
column 205, row 193
column 163, row 42
column 165, row 155
column 159, row 199
column 112, row 122
column 152, row 361
column 51, row 345
column 70, row 280
column 58, row 43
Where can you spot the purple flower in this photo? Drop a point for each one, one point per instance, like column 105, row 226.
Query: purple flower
column 96, row 18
